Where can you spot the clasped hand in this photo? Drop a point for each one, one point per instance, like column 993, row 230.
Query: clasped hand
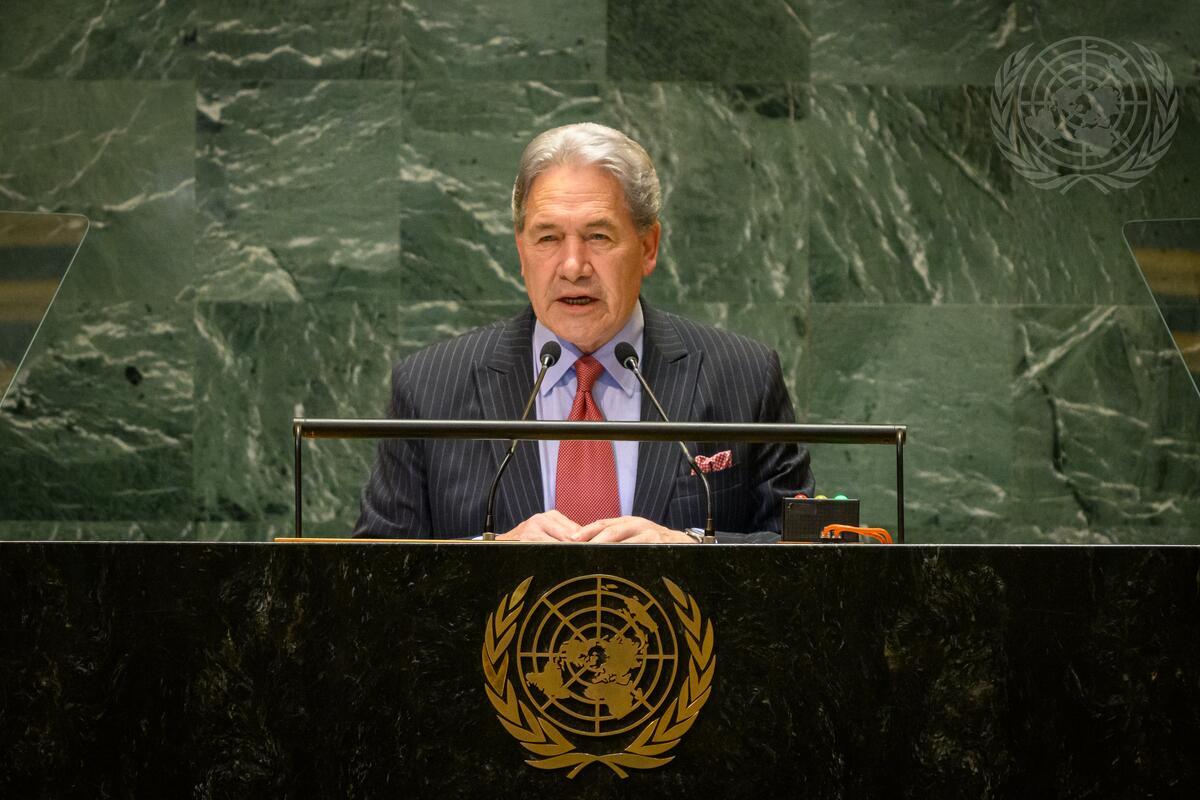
column 552, row 526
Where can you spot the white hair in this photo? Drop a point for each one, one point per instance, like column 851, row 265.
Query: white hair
column 589, row 144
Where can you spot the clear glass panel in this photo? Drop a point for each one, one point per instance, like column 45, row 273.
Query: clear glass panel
column 1168, row 254
column 36, row 250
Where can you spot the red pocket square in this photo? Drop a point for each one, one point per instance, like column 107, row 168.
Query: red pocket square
column 715, row 462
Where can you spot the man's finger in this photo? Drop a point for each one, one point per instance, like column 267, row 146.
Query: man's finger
column 555, row 525
column 554, row 513
column 645, row 537
column 590, row 531
column 619, row 531
column 548, row 526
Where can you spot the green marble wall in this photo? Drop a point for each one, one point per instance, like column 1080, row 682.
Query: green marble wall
column 287, row 197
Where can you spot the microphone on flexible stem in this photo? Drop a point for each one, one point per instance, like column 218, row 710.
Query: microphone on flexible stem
column 551, row 352
column 628, row 359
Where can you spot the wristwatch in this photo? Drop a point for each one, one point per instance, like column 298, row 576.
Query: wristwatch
column 695, row 533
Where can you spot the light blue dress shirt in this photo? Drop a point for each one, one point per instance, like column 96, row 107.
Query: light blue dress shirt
column 617, row 393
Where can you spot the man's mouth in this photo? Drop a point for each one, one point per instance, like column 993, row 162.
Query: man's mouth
column 576, row 301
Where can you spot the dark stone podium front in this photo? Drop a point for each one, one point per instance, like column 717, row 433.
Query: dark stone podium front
column 359, row 670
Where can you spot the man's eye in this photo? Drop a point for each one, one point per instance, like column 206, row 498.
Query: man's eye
column 547, row 238
column 600, row 237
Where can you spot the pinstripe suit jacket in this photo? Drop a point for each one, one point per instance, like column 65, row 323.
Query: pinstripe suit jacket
column 438, row 488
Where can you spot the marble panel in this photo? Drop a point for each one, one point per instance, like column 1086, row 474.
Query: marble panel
column 316, row 39
column 157, row 530
column 914, row 203
column 708, row 40
column 782, row 326
column 260, row 365
column 939, row 44
column 98, row 425
column 54, row 530
column 120, row 153
column 462, row 145
column 495, row 40
column 297, row 190
column 731, row 161
column 945, row 373
column 221, row 39
column 137, row 39
column 1107, row 429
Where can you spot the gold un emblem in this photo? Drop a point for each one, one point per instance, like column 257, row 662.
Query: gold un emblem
column 597, row 658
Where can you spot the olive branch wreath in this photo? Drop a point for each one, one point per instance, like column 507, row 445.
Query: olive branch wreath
column 540, row 736
column 1029, row 162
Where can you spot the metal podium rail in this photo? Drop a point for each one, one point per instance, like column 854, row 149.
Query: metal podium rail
column 603, row 431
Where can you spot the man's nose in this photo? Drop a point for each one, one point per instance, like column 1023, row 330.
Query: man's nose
column 575, row 263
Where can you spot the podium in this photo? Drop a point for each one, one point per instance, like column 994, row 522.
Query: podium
column 426, row 670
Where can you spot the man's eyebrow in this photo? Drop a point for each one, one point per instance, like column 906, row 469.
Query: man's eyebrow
column 600, row 222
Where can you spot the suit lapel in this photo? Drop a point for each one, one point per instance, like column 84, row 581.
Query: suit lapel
column 504, row 379
column 671, row 372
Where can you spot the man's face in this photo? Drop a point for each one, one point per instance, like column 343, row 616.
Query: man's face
column 581, row 255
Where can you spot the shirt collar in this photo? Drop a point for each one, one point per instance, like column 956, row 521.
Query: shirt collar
column 631, row 332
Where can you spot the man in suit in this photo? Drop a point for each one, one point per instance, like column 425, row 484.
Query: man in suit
column 585, row 217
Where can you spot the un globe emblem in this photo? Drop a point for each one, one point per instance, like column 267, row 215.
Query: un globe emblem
column 598, row 657
column 1084, row 109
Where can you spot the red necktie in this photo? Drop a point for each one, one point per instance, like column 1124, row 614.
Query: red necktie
column 585, row 488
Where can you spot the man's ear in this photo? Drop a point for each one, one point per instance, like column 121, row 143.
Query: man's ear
column 649, row 241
